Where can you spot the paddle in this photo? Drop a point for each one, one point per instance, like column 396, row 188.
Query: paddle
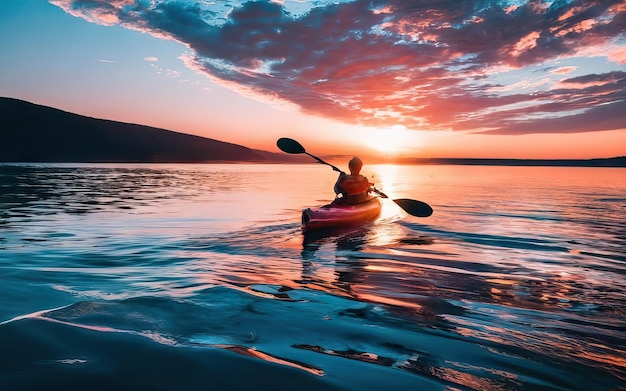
column 292, row 146
column 412, row 207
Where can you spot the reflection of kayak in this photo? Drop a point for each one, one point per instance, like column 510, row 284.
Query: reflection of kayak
column 340, row 215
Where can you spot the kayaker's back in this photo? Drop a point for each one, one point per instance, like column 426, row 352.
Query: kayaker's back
column 354, row 189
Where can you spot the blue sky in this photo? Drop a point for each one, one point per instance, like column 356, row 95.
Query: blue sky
column 419, row 78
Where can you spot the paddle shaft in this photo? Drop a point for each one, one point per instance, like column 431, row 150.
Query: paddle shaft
column 323, row 162
column 380, row 193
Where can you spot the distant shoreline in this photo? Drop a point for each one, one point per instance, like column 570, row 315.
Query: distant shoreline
column 617, row 162
column 606, row 162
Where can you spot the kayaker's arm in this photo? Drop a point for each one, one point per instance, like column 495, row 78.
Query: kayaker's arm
column 337, row 187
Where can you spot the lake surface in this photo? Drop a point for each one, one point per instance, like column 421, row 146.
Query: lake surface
column 198, row 277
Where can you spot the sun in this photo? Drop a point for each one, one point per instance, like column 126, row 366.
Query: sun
column 390, row 141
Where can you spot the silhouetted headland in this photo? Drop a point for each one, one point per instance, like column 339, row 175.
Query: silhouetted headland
column 35, row 133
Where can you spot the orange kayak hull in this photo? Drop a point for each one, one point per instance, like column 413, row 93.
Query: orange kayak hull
column 333, row 215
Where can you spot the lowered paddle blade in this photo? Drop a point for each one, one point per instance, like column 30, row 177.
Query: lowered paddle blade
column 289, row 145
column 414, row 207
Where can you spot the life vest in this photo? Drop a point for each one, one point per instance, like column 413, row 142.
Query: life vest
column 355, row 188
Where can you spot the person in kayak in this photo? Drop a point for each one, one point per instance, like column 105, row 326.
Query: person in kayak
column 353, row 188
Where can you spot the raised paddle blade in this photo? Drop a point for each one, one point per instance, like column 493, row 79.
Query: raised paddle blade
column 414, row 207
column 289, row 145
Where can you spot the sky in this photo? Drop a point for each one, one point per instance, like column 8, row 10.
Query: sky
column 396, row 78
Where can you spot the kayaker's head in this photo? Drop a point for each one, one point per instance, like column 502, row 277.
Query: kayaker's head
column 355, row 165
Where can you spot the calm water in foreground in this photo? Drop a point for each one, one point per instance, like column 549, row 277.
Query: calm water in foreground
column 197, row 277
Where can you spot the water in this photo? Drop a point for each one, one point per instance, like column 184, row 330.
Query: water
column 198, row 277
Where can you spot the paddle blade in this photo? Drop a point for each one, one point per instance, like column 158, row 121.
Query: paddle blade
column 289, row 145
column 414, row 207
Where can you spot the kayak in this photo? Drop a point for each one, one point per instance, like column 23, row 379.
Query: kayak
column 340, row 215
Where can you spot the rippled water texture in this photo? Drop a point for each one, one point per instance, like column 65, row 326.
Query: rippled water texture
column 198, row 277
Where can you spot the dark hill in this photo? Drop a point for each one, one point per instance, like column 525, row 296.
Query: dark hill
column 34, row 133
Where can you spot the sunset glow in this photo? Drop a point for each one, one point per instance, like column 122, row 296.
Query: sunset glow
column 485, row 79
column 392, row 140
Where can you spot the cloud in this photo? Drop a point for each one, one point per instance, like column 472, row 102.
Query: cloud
column 563, row 70
column 422, row 64
column 151, row 59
